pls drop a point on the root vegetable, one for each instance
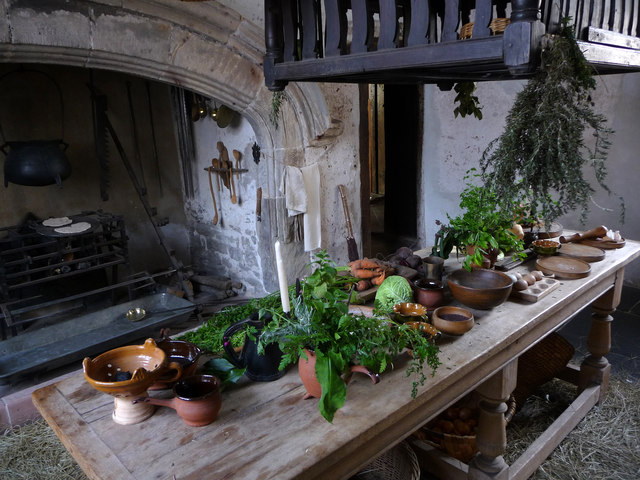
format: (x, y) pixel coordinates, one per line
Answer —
(363, 263)
(363, 285)
(413, 260)
(378, 280)
(404, 252)
(364, 273)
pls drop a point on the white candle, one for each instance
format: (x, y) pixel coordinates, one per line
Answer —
(282, 279)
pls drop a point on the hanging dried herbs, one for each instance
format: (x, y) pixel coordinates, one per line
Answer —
(541, 153)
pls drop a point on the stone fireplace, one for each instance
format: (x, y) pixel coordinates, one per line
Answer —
(139, 54)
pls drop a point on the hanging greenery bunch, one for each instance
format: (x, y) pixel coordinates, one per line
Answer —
(541, 153)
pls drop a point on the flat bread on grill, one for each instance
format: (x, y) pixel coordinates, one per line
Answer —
(78, 227)
(57, 222)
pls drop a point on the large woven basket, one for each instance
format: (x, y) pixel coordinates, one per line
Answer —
(461, 447)
(540, 364)
(497, 26)
(397, 463)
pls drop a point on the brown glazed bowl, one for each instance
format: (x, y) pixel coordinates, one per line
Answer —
(144, 362)
(452, 320)
(184, 353)
(403, 312)
(480, 288)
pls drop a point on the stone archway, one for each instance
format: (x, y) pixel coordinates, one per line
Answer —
(204, 47)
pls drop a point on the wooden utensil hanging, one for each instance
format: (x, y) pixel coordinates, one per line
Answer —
(213, 197)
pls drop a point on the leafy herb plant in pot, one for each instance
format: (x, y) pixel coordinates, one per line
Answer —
(483, 229)
(320, 325)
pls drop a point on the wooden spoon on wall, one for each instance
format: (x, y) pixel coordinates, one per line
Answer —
(213, 196)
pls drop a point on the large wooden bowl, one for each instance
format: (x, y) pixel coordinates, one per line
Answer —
(480, 288)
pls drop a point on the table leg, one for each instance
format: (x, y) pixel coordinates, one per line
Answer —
(595, 368)
(491, 437)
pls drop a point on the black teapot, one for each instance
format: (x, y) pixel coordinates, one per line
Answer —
(259, 368)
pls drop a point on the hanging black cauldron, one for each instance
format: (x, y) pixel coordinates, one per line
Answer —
(35, 163)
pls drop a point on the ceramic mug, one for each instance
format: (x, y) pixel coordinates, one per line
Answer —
(197, 399)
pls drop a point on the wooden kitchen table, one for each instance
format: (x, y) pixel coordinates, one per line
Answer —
(267, 431)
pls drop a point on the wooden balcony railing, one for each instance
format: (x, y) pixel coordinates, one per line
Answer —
(430, 41)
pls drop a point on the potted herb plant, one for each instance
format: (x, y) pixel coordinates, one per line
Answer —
(321, 322)
(484, 228)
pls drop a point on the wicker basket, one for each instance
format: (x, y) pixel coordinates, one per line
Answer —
(540, 364)
(461, 447)
(397, 463)
(497, 26)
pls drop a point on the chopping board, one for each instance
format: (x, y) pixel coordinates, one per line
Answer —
(563, 267)
(582, 252)
(604, 243)
(535, 292)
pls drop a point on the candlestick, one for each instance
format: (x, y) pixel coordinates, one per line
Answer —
(282, 279)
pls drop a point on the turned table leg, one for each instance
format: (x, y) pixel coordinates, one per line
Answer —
(595, 368)
(491, 437)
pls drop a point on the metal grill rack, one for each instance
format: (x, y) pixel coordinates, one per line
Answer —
(41, 268)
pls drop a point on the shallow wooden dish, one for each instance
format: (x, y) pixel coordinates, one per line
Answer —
(563, 267)
(582, 252)
(480, 288)
(452, 320)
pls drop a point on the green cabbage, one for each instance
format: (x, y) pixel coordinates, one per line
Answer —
(393, 290)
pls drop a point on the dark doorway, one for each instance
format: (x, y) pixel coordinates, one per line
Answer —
(393, 116)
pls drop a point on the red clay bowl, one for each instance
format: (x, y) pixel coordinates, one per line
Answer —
(480, 288)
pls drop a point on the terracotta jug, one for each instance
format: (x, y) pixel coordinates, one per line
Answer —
(197, 400)
(307, 371)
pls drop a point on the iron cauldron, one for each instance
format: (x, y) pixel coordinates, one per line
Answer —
(35, 163)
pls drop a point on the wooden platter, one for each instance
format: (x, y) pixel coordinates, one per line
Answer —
(604, 243)
(582, 252)
(563, 267)
(535, 292)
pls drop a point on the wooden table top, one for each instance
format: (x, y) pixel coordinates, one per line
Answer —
(266, 430)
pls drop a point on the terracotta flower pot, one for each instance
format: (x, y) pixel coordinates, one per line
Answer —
(307, 371)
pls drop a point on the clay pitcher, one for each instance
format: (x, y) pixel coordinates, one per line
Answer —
(259, 368)
(197, 400)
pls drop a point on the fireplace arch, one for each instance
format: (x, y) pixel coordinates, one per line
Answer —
(203, 47)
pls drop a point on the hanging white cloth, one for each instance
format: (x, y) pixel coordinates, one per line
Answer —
(294, 190)
(312, 217)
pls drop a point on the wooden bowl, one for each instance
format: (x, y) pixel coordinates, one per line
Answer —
(480, 288)
(452, 320)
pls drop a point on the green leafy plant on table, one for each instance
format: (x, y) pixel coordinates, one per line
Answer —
(320, 321)
(483, 228)
(542, 153)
